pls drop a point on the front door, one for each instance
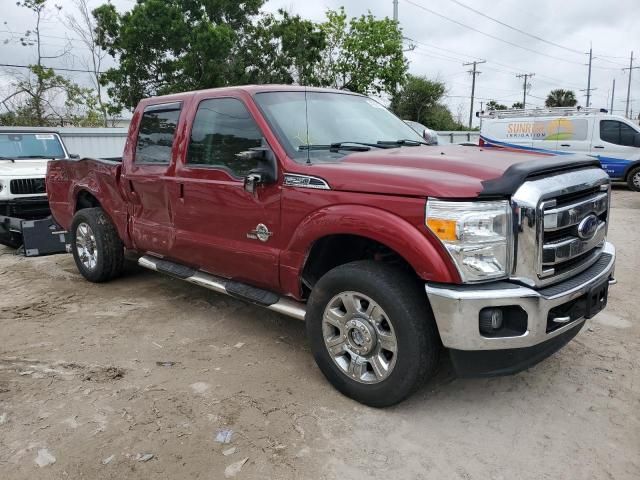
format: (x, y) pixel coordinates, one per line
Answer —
(219, 226)
(147, 183)
(615, 146)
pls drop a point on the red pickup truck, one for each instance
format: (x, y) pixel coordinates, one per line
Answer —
(324, 206)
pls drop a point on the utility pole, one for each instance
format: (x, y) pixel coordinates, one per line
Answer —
(525, 85)
(395, 10)
(474, 73)
(631, 67)
(613, 94)
(589, 78)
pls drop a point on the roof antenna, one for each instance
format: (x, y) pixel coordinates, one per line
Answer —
(306, 114)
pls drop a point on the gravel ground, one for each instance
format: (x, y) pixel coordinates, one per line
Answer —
(136, 379)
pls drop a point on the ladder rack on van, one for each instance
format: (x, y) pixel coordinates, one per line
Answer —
(541, 112)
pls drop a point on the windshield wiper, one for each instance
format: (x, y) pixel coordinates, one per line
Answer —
(13, 160)
(402, 142)
(350, 146)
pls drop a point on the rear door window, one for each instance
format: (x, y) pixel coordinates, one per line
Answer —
(157, 132)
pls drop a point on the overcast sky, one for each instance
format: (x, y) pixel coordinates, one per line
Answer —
(442, 46)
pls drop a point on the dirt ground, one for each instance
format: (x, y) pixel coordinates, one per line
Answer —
(88, 390)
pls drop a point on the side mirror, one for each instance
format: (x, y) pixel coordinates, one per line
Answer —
(265, 172)
(74, 156)
(430, 136)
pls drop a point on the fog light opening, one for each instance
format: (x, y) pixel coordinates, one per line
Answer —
(490, 320)
(505, 321)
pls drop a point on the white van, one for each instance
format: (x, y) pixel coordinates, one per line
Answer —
(614, 140)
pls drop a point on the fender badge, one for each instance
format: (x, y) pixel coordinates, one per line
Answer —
(261, 232)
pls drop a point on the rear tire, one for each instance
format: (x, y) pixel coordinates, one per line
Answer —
(372, 332)
(633, 179)
(96, 246)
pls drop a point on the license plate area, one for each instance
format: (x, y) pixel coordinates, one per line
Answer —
(597, 298)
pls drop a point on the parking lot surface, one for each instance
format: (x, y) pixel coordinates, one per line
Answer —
(144, 377)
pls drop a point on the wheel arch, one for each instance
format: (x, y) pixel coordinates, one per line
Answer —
(633, 164)
(328, 231)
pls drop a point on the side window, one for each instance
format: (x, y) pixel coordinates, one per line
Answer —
(616, 132)
(157, 130)
(223, 130)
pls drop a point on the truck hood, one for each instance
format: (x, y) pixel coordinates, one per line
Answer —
(21, 168)
(448, 171)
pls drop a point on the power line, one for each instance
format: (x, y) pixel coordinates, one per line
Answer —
(433, 12)
(488, 34)
(52, 68)
(511, 69)
(515, 28)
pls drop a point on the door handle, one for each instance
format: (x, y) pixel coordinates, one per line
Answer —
(598, 146)
(134, 195)
(565, 145)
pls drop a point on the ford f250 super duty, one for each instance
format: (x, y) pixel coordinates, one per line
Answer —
(324, 206)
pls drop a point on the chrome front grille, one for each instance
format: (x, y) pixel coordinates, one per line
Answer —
(560, 225)
(565, 246)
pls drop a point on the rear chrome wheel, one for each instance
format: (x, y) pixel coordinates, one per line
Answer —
(86, 246)
(359, 337)
(96, 246)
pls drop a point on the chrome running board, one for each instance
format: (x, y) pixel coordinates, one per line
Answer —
(263, 298)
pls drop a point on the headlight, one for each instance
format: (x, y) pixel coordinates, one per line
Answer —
(476, 234)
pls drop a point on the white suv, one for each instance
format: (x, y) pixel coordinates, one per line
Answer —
(24, 154)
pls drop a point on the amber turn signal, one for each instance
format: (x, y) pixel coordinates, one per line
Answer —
(444, 229)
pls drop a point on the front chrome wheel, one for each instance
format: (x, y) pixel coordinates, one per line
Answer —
(359, 337)
(86, 246)
(636, 180)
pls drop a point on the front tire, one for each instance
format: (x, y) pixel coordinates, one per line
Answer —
(372, 332)
(633, 179)
(96, 246)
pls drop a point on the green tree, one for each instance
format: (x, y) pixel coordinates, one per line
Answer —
(420, 99)
(561, 98)
(44, 98)
(519, 105)
(363, 54)
(281, 49)
(41, 97)
(493, 105)
(166, 46)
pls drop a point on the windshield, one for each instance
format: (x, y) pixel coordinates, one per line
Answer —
(20, 146)
(334, 118)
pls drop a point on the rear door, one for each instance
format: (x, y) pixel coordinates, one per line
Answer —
(148, 179)
(220, 227)
(614, 146)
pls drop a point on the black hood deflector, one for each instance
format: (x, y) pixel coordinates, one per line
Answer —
(518, 173)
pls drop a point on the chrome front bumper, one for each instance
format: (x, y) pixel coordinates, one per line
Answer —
(457, 308)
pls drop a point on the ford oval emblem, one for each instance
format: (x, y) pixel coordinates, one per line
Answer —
(588, 227)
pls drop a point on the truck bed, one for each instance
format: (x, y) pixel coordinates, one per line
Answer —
(73, 183)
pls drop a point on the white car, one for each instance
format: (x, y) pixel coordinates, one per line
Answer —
(612, 139)
(24, 154)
